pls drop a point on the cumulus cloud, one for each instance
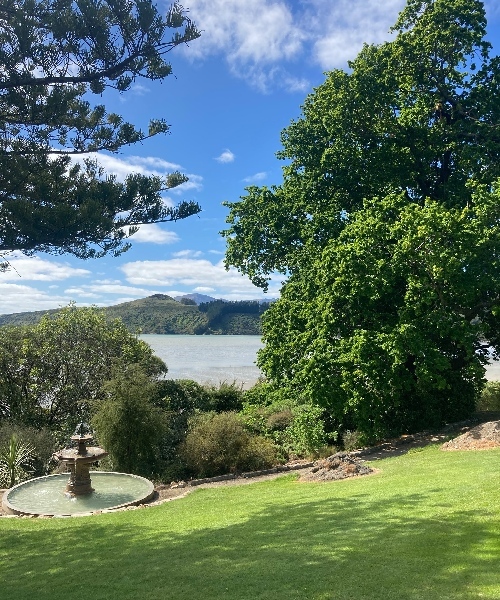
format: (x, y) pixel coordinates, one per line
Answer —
(139, 90)
(187, 254)
(226, 157)
(34, 268)
(195, 183)
(193, 273)
(15, 298)
(340, 28)
(257, 177)
(123, 166)
(254, 36)
(98, 289)
(152, 233)
(265, 41)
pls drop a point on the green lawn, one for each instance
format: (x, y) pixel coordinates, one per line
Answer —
(426, 527)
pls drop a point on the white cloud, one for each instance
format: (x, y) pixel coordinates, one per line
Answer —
(203, 290)
(144, 165)
(98, 289)
(187, 254)
(125, 165)
(257, 177)
(154, 234)
(255, 30)
(264, 40)
(253, 35)
(226, 157)
(139, 90)
(34, 268)
(15, 298)
(194, 183)
(193, 273)
(340, 28)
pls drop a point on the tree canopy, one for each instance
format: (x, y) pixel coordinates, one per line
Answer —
(52, 372)
(54, 55)
(386, 223)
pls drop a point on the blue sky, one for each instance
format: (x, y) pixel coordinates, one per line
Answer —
(233, 92)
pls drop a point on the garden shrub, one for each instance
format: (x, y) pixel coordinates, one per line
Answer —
(306, 433)
(16, 461)
(225, 397)
(128, 425)
(489, 399)
(42, 441)
(352, 440)
(297, 428)
(218, 443)
(181, 395)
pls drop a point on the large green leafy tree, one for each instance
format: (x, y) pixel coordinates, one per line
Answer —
(54, 54)
(52, 373)
(387, 228)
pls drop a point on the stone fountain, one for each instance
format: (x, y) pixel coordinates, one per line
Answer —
(48, 496)
(78, 460)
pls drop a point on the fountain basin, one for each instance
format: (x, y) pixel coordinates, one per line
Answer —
(45, 496)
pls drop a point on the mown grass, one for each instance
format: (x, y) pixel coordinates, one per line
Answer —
(426, 527)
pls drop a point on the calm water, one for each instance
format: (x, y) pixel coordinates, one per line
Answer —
(208, 358)
(217, 358)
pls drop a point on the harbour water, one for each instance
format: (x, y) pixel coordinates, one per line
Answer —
(208, 358)
(218, 358)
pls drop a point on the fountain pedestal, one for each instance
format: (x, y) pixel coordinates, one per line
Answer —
(78, 461)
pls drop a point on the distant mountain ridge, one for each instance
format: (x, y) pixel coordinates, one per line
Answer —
(163, 314)
(198, 298)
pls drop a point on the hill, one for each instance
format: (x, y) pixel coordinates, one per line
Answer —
(163, 315)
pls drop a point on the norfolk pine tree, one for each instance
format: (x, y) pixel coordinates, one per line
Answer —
(386, 224)
(54, 54)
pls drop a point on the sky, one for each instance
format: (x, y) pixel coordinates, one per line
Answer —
(233, 91)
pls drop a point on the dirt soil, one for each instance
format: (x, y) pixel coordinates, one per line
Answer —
(481, 437)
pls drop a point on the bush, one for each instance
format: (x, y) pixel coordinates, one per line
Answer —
(42, 441)
(128, 425)
(217, 443)
(296, 428)
(16, 458)
(490, 397)
(227, 397)
(352, 440)
(306, 434)
(180, 396)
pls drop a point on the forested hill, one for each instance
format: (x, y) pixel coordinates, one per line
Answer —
(162, 314)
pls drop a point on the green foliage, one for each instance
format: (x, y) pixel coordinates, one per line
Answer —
(218, 444)
(234, 318)
(180, 401)
(225, 397)
(159, 314)
(489, 400)
(390, 340)
(297, 429)
(55, 55)
(387, 225)
(42, 441)
(128, 425)
(51, 372)
(306, 433)
(352, 440)
(15, 461)
(162, 314)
